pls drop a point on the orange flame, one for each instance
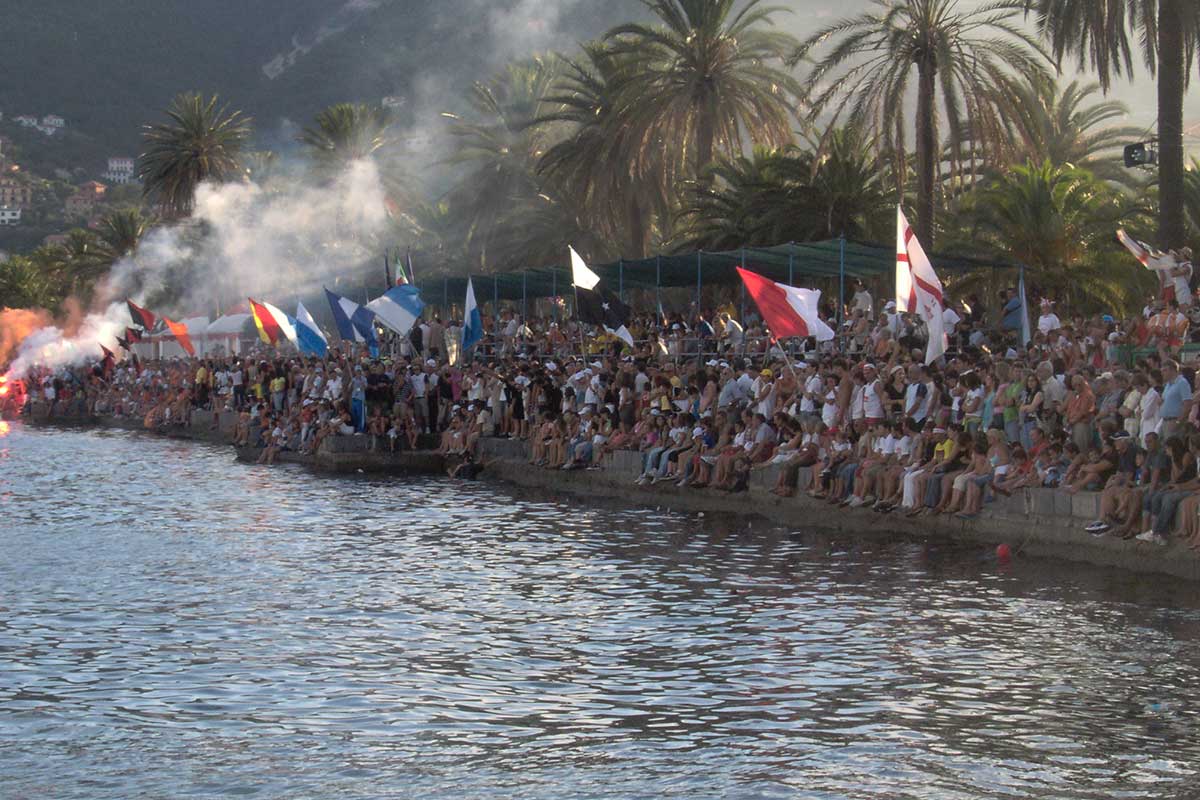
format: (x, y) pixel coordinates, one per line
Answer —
(15, 325)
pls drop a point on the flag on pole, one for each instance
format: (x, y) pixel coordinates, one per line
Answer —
(272, 323)
(1149, 257)
(133, 335)
(180, 332)
(919, 291)
(1026, 330)
(401, 278)
(309, 338)
(398, 308)
(141, 316)
(354, 322)
(472, 329)
(788, 311)
(411, 272)
(108, 362)
(596, 304)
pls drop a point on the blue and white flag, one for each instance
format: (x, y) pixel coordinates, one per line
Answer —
(398, 308)
(309, 338)
(472, 329)
(354, 322)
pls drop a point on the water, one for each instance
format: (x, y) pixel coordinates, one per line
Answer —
(175, 624)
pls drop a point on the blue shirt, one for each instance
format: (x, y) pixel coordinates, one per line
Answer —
(1175, 394)
(1012, 315)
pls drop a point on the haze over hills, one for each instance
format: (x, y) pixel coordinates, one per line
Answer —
(109, 68)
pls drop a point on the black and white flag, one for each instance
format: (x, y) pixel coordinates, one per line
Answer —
(596, 303)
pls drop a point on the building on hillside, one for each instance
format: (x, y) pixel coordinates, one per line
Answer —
(15, 193)
(120, 171)
(55, 239)
(26, 121)
(85, 199)
(53, 121)
(10, 216)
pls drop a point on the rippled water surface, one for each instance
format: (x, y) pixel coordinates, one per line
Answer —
(175, 624)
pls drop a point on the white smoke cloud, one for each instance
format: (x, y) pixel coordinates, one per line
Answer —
(273, 241)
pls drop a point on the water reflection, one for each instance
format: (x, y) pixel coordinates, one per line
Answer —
(172, 622)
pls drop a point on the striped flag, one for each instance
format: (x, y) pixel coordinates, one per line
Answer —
(272, 323)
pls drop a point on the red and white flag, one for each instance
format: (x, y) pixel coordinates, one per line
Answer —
(918, 290)
(788, 311)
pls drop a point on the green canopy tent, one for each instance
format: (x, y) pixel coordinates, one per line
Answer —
(786, 263)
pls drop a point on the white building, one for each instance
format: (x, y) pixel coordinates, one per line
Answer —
(10, 216)
(120, 171)
(53, 121)
(26, 121)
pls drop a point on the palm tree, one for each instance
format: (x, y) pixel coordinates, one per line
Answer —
(200, 142)
(120, 232)
(1168, 32)
(26, 283)
(1058, 220)
(961, 60)
(346, 132)
(617, 176)
(747, 201)
(835, 189)
(259, 166)
(1060, 124)
(500, 148)
(1191, 198)
(848, 186)
(707, 77)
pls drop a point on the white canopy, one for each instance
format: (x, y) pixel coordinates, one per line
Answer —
(228, 325)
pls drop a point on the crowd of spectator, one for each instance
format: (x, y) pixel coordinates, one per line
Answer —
(707, 399)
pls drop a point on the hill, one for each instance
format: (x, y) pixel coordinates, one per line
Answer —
(109, 68)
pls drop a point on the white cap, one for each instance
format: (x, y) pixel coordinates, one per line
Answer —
(697, 432)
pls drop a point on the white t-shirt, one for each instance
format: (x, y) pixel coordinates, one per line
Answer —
(1183, 288)
(1048, 322)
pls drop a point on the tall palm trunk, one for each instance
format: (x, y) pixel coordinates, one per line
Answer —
(704, 138)
(1170, 123)
(637, 228)
(926, 151)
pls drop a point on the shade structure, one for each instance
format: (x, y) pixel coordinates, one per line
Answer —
(794, 262)
(230, 324)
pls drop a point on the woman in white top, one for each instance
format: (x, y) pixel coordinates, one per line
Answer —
(1150, 411)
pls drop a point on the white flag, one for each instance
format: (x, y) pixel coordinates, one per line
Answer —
(924, 290)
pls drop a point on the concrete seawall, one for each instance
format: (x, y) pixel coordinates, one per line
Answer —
(1040, 522)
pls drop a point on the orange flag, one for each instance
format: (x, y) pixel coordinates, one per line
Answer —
(180, 332)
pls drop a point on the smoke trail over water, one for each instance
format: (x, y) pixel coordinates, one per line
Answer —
(275, 240)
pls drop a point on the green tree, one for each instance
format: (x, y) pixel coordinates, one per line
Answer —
(706, 78)
(200, 141)
(499, 146)
(834, 189)
(1058, 221)
(617, 175)
(960, 60)
(345, 132)
(1060, 124)
(1168, 34)
(26, 283)
(1191, 199)
(120, 232)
